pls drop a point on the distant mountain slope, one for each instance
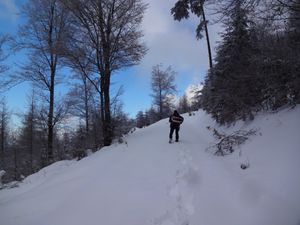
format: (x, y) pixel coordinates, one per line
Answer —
(147, 181)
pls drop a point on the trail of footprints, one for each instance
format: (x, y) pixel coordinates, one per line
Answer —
(182, 191)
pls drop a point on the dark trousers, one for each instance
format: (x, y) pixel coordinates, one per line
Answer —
(176, 132)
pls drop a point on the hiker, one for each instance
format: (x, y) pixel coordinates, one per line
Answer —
(175, 121)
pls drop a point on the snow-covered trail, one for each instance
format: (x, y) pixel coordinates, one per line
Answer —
(132, 183)
(148, 181)
(198, 174)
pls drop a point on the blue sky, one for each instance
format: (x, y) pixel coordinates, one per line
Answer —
(170, 43)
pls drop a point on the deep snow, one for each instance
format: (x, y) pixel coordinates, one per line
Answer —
(147, 181)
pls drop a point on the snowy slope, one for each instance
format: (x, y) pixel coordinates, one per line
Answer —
(147, 181)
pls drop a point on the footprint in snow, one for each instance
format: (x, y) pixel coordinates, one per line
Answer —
(187, 182)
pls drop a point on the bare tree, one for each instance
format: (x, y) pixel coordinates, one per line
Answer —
(4, 118)
(120, 121)
(278, 9)
(79, 59)
(79, 100)
(162, 84)
(44, 35)
(4, 39)
(112, 29)
(140, 119)
(184, 105)
(30, 126)
(30, 140)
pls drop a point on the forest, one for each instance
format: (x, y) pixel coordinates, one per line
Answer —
(256, 68)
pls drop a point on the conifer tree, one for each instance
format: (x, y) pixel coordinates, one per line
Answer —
(229, 91)
(294, 50)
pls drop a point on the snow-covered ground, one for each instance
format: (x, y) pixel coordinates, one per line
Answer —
(147, 181)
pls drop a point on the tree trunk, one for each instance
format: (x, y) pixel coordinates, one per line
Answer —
(207, 39)
(102, 114)
(31, 140)
(16, 177)
(160, 102)
(107, 129)
(51, 90)
(50, 120)
(2, 134)
(2, 140)
(87, 128)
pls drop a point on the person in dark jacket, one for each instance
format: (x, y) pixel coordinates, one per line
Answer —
(175, 121)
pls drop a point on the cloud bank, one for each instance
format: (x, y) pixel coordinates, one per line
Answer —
(174, 43)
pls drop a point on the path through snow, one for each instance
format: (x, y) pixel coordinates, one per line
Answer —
(149, 181)
(186, 183)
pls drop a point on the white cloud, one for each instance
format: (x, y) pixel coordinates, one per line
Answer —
(174, 43)
(8, 10)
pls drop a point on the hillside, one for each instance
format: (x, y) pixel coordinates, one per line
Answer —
(147, 181)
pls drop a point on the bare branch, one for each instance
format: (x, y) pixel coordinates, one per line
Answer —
(228, 142)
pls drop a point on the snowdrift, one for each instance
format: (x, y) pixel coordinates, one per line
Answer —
(147, 181)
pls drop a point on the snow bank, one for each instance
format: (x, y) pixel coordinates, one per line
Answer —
(148, 181)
